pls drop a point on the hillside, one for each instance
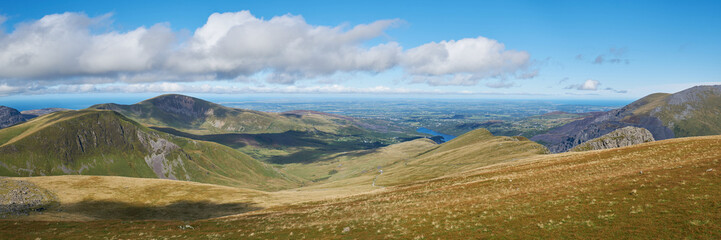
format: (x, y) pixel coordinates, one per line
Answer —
(477, 148)
(99, 142)
(623, 137)
(10, 116)
(289, 137)
(198, 116)
(691, 112)
(664, 189)
(110, 197)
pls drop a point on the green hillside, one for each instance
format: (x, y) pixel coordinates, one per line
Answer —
(289, 137)
(693, 112)
(658, 190)
(472, 150)
(198, 116)
(100, 142)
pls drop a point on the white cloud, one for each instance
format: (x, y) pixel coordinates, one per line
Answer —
(473, 59)
(61, 50)
(61, 45)
(589, 85)
(5, 89)
(232, 44)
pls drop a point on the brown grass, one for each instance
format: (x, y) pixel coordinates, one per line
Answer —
(666, 189)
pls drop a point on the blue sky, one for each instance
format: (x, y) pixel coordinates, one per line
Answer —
(465, 49)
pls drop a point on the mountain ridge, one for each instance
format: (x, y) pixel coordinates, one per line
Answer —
(690, 112)
(102, 142)
(10, 116)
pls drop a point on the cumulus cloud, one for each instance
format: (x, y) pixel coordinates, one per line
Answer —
(68, 49)
(590, 85)
(232, 44)
(463, 62)
(62, 45)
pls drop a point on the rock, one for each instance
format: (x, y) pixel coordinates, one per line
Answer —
(22, 198)
(691, 112)
(10, 116)
(346, 229)
(626, 136)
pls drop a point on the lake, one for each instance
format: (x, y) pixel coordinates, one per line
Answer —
(446, 137)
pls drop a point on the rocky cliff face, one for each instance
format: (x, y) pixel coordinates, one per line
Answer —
(692, 112)
(626, 136)
(565, 137)
(10, 116)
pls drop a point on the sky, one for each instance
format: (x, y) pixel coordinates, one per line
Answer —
(461, 49)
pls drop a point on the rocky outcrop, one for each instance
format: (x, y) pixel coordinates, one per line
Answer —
(691, 112)
(565, 137)
(623, 137)
(22, 198)
(10, 116)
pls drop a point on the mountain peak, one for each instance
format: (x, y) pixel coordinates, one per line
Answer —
(694, 94)
(181, 104)
(10, 116)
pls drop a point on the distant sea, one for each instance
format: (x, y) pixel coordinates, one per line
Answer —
(28, 102)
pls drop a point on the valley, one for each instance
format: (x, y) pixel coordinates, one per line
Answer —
(217, 119)
(167, 168)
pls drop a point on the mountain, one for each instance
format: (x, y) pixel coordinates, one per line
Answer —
(692, 112)
(664, 189)
(295, 136)
(10, 116)
(101, 142)
(623, 137)
(477, 148)
(198, 116)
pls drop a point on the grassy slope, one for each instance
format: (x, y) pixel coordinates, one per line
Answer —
(109, 197)
(95, 142)
(355, 163)
(293, 137)
(694, 119)
(664, 189)
(474, 149)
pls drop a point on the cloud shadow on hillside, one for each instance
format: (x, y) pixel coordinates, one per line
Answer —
(179, 211)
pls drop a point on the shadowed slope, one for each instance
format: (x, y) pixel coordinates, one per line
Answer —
(692, 112)
(290, 137)
(96, 142)
(665, 189)
(106, 197)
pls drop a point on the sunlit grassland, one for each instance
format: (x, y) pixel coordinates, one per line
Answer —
(664, 189)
